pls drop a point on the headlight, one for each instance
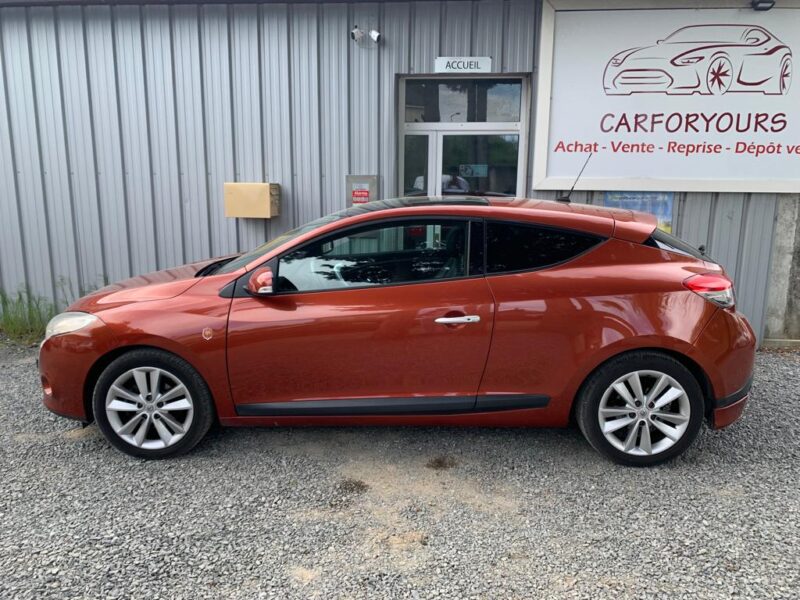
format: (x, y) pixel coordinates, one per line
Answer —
(68, 322)
(687, 60)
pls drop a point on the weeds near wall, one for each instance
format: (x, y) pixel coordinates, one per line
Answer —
(23, 317)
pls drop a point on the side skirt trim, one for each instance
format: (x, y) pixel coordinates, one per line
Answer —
(442, 405)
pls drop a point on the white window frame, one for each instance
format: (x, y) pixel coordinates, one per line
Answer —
(436, 131)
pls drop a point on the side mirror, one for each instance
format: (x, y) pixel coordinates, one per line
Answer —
(260, 283)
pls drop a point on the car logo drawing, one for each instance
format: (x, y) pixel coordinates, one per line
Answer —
(703, 59)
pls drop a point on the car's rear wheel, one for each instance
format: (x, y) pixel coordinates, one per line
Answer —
(152, 404)
(641, 408)
(785, 75)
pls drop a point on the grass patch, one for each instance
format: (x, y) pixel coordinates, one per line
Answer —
(23, 317)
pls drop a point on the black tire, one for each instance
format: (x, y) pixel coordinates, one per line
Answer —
(203, 417)
(591, 393)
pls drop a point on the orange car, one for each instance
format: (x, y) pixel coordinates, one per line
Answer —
(454, 311)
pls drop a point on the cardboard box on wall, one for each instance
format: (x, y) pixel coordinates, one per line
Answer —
(252, 200)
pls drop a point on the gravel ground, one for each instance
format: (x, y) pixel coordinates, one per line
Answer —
(419, 513)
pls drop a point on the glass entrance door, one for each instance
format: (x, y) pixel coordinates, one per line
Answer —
(463, 137)
(479, 165)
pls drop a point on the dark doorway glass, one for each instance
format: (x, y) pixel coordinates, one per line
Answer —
(463, 100)
(480, 165)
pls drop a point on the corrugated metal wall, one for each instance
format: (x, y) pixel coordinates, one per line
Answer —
(118, 126)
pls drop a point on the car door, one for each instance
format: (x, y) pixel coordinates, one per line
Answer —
(386, 318)
(545, 314)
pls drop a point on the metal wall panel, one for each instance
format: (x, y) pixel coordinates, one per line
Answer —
(425, 35)
(217, 116)
(104, 113)
(25, 143)
(489, 32)
(160, 90)
(277, 113)
(754, 258)
(80, 148)
(12, 256)
(52, 146)
(457, 20)
(135, 131)
(246, 97)
(306, 204)
(118, 127)
(364, 104)
(187, 74)
(334, 95)
(395, 57)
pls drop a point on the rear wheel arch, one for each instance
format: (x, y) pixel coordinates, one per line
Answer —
(691, 365)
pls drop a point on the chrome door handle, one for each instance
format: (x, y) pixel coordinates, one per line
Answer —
(457, 320)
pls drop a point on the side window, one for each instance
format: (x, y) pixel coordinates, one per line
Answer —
(514, 247)
(404, 252)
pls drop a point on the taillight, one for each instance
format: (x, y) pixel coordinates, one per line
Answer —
(715, 288)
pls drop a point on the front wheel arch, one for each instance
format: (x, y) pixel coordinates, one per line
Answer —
(100, 365)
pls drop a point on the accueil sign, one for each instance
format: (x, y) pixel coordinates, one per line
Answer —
(463, 64)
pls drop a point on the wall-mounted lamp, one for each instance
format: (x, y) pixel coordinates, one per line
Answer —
(762, 4)
(357, 34)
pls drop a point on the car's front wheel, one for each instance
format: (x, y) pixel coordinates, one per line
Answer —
(719, 76)
(152, 404)
(641, 408)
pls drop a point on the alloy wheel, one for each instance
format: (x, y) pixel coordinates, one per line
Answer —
(149, 408)
(644, 413)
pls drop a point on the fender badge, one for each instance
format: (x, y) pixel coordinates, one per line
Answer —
(208, 333)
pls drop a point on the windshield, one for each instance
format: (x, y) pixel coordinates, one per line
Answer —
(248, 257)
(708, 34)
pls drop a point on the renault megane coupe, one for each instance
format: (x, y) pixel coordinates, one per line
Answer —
(417, 311)
(704, 59)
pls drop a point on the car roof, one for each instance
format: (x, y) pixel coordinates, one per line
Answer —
(608, 222)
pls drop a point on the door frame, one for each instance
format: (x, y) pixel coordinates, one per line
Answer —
(435, 131)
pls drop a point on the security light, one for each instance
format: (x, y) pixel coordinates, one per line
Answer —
(356, 34)
(375, 35)
(762, 4)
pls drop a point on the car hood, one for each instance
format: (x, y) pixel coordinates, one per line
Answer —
(666, 51)
(159, 285)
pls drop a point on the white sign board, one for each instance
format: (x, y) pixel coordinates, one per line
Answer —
(672, 100)
(463, 64)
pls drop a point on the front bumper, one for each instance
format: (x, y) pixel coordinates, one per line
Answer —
(727, 410)
(65, 364)
(649, 77)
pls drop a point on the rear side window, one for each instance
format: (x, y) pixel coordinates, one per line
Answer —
(515, 247)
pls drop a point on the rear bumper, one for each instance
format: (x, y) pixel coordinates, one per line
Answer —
(727, 410)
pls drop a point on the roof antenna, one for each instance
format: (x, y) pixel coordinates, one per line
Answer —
(569, 193)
